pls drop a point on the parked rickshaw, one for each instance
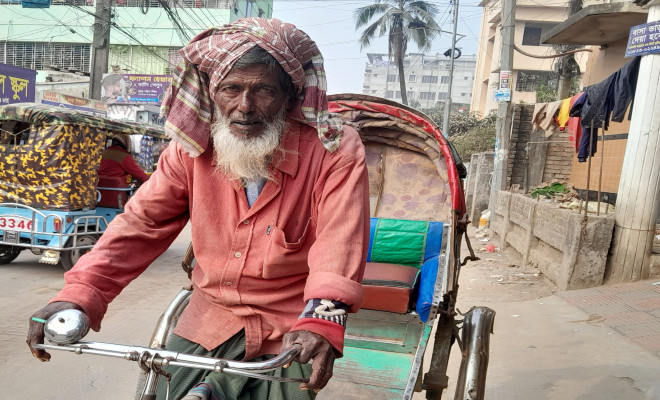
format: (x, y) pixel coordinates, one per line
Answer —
(49, 157)
(411, 281)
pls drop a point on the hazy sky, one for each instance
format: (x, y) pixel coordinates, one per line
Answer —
(330, 24)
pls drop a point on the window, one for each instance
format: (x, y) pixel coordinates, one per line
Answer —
(391, 78)
(373, 91)
(442, 96)
(533, 32)
(532, 36)
(427, 95)
(429, 79)
(42, 55)
(398, 94)
(216, 4)
(444, 79)
(531, 81)
(412, 78)
(465, 78)
(463, 94)
(389, 94)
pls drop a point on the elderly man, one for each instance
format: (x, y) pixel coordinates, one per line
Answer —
(277, 197)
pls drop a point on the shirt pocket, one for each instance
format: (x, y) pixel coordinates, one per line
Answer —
(285, 258)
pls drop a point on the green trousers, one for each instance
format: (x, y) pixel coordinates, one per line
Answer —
(228, 386)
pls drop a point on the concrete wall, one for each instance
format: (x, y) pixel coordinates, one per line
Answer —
(566, 248)
(477, 192)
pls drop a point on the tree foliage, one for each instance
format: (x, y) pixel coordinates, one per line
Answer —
(471, 134)
(401, 21)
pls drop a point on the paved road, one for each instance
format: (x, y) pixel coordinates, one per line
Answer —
(27, 285)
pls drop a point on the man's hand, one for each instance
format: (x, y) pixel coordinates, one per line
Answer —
(313, 347)
(36, 330)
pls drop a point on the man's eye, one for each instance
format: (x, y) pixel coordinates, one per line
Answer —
(231, 89)
(268, 91)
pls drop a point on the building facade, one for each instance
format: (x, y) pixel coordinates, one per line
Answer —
(532, 20)
(143, 37)
(427, 79)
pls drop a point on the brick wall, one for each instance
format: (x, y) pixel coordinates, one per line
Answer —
(559, 158)
(520, 135)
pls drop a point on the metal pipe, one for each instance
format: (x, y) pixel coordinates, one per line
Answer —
(167, 357)
(477, 327)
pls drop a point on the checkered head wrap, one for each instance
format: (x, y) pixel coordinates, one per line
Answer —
(209, 57)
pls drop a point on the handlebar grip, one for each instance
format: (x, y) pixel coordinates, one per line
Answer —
(66, 326)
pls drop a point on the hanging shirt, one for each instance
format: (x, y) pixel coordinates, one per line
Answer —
(574, 126)
(624, 89)
(306, 237)
(562, 115)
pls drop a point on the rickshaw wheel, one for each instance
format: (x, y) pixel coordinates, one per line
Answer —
(69, 258)
(9, 253)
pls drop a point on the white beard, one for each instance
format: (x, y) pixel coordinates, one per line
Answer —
(246, 158)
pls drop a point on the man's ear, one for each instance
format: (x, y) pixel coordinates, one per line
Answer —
(291, 101)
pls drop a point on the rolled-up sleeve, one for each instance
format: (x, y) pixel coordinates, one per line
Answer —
(337, 257)
(153, 218)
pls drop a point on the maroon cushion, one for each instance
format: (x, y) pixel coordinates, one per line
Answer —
(388, 286)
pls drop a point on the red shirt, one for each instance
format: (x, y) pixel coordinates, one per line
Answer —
(306, 237)
(118, 162)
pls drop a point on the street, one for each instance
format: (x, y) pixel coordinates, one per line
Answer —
(542, 347)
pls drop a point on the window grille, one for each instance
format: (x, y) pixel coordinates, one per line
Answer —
(427, 95)
(429, 79)
(69, 56)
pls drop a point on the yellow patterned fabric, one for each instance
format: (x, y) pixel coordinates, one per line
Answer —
(49, 156)
(55, 168)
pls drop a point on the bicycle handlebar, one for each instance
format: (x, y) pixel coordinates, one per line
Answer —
(149, 358)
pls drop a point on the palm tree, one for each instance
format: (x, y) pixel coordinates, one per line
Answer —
(401, 21)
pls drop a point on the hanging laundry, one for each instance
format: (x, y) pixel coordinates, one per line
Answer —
(562, 115)
(599, 102)
(586, 142)
(573, 126)
(624, 89)
(544, 117)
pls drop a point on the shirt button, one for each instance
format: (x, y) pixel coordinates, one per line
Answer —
(228, 283)
(237, 254)
(247, 221)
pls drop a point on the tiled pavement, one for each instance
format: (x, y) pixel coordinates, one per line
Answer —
(631, 309)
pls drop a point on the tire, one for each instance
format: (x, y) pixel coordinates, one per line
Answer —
(69, 258)
(9, 253)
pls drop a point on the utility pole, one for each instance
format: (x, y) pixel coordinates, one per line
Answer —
(447, 111)
(100, 47)
(503, 126)
(639, 186)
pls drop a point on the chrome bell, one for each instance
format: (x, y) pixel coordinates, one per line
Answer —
(66, 326)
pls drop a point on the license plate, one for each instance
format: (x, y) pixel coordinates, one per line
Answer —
(15, 223)
(11, 237)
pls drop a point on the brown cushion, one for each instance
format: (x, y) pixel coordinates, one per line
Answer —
(388, 286)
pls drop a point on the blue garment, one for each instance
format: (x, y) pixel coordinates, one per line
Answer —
(583, 150)
(624, 89)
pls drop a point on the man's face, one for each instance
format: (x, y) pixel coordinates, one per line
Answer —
(250, 98)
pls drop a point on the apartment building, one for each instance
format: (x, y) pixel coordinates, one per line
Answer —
(427, 79)
(143, 39)
(532, 20)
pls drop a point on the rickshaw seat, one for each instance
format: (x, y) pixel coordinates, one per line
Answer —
(112, 198)
(397, 251)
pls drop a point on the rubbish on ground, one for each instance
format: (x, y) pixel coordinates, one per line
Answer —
(490, 248)
(484, 219)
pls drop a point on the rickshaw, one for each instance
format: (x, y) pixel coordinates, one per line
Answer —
(49, 199)
(411, 279)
